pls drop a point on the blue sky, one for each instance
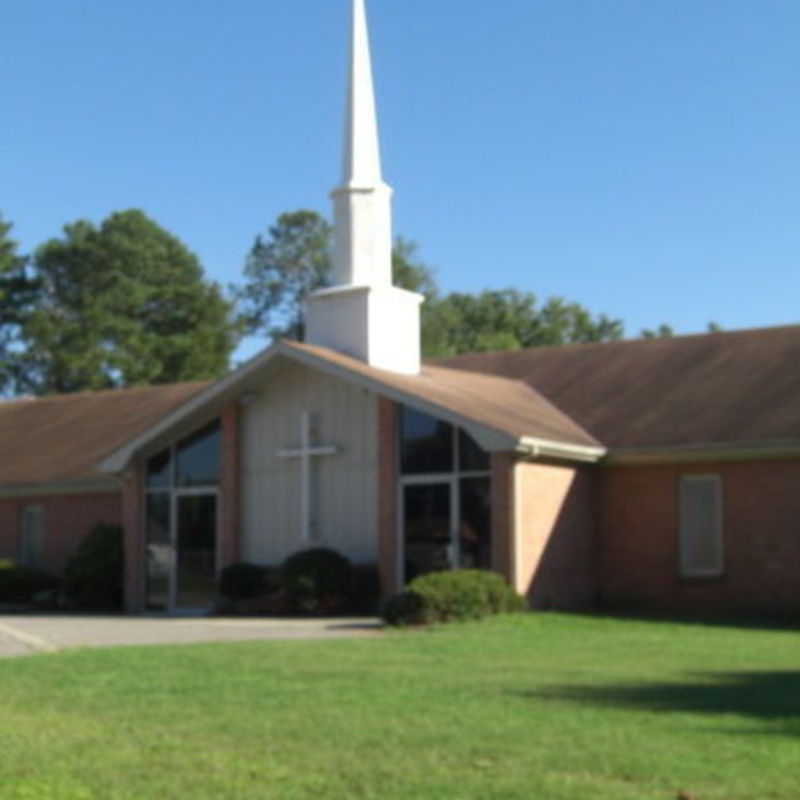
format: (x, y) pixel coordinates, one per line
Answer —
(638, 157)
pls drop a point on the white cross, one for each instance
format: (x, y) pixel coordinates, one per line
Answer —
(305, 452)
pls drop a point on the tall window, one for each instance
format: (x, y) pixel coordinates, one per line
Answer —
(180, 520)
(445, 490)
(31, 540)
(701, 551)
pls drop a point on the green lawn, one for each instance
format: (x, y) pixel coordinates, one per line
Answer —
(534, 706)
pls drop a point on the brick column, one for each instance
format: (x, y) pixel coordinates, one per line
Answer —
(503, 516)
(387, 496)
(133, 538)
(229, 544)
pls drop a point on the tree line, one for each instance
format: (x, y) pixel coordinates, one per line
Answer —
(125, 303)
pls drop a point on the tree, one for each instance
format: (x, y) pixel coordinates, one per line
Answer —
(123, 304)
(293, 260)
(665, 331)
(508, 320)
(16, 294)
(282, 270)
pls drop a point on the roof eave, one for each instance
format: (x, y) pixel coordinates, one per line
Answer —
(491, 439)
(705, 452)
(99, 485)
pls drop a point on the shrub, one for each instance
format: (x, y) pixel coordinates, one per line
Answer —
(243, 581)
(455, 595)
(19, 584)
(93, 578)
(365, 590)
(317, 581)
(404, 608)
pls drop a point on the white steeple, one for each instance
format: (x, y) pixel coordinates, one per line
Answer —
(362, 202)
(363, 315)
(361, 159)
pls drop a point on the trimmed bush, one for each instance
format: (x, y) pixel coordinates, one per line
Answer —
(404, 608)
(243, 581)
(317, 581)
(365, 591)
(454, 595)
(93, 578)
(20, 584)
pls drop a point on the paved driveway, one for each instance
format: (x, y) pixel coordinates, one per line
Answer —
(22, 635)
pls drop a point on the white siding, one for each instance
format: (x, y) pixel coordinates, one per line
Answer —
(344, 485)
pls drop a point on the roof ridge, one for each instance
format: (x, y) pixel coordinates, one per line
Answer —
(445, 361)
(67, 396)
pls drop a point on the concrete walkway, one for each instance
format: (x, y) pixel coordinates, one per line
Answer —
(25, 634)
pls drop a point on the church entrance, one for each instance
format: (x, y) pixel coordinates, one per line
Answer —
(445, 520)
(182, 520)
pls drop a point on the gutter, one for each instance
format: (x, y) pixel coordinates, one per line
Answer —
(535, 447)
(706, 452)
(97, 485)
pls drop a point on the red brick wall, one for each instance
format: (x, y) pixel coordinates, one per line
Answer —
(68, 518)
(555, 538)
(503, 516)
(761, 539)
(133, 522)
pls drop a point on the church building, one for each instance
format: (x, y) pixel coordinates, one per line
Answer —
(641, 475)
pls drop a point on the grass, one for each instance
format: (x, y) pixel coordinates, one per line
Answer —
(535, 706)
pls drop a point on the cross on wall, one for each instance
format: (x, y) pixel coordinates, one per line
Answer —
(305, 453)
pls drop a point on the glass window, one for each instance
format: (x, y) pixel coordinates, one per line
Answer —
(158, 470)
(471, 457)
(197, 458)
(426, 443)
(427, 529)
(31, 547)
(476, 523)
(159, 548)
(701, 526)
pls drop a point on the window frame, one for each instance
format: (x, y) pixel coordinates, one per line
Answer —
(451, 478)
(173, 491)
(31, 554)
(686, 570)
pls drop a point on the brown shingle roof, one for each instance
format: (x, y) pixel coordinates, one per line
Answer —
(722, 388)
(499, 403)
(727, 388)
(61, 438)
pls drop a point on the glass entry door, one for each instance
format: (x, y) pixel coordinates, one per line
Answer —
(196, 553)
(181, 551)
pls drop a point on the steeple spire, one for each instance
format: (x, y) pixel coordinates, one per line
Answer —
(362, 314)
(361, 160)
(362, 202)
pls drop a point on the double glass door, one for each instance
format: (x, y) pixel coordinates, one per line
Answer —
(446, 525)
(181, 551)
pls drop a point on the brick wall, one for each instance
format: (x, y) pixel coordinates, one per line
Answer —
(761, 539)
(67, 519)
(555, 541)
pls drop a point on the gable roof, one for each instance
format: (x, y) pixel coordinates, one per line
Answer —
(59, 439)
(498, 403)
(738, 388)
(500, 413)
